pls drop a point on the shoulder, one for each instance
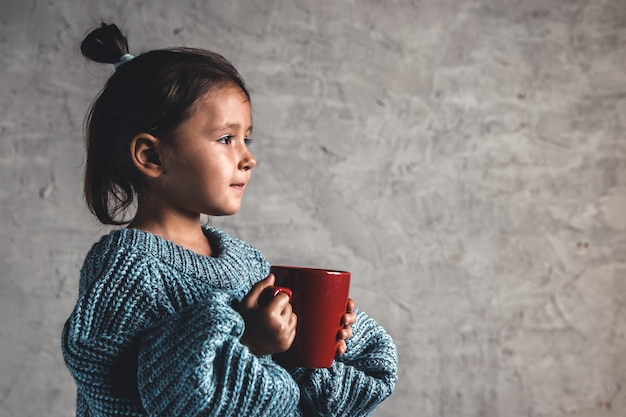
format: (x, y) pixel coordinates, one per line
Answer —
(116, 241)
(118, 244)
(117, 286)
(119, 253)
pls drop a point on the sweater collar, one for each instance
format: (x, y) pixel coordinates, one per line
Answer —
(235, 266)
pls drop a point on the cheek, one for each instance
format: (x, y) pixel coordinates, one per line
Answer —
(211, 172)
(203, 166)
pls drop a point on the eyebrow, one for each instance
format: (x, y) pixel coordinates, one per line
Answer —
(232, 126)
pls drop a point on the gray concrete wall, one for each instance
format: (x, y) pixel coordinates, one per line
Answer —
(464, 159)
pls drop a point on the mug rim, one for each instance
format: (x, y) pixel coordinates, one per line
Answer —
(312, 269)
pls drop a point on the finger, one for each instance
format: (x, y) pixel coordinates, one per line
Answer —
(291, 336)
(293, 321)
(341, 347)
(348, 319)
(345, 333)
(270, 293)
(290, 331)
(252, 298)
(281, 302)
(292, 326)
(351, 305)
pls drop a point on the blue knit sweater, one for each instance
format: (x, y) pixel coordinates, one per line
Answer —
(155, 333)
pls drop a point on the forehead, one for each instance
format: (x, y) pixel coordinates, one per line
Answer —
(225, 105)
(223, 95)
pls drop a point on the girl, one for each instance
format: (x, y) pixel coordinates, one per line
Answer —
(168, 320)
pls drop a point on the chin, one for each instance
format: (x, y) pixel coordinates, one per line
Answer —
(220, 213)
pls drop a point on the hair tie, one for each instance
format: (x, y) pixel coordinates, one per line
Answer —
(123, 59)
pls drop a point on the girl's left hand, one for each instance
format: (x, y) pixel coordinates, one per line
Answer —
(347, 320)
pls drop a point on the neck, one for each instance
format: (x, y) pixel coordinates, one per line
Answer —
(185, 231)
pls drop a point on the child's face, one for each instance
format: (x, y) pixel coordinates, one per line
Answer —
(208, 164)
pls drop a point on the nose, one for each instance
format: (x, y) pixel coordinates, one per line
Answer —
(248, 161)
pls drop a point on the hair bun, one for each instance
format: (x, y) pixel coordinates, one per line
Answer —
(105, 44)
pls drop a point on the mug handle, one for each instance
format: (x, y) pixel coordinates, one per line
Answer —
(272, 291)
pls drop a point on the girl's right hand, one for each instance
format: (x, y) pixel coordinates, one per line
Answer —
(270, 327)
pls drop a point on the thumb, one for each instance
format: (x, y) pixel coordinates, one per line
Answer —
(252, 298)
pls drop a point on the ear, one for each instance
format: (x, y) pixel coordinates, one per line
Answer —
(145, 154)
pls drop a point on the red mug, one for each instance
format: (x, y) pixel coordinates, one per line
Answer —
(319, 298)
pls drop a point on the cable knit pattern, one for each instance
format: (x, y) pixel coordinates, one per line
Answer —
(155, 332)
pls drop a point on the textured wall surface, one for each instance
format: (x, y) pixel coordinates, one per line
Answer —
(464, 159)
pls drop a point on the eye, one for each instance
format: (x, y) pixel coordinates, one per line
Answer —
(248, 141)
(226, 140)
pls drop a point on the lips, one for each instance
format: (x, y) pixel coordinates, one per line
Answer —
(239, 186)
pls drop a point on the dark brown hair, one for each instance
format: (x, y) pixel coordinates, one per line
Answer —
(152, 93)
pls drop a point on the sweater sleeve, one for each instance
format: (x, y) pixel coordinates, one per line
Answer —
(192, 364)
(358, 381)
